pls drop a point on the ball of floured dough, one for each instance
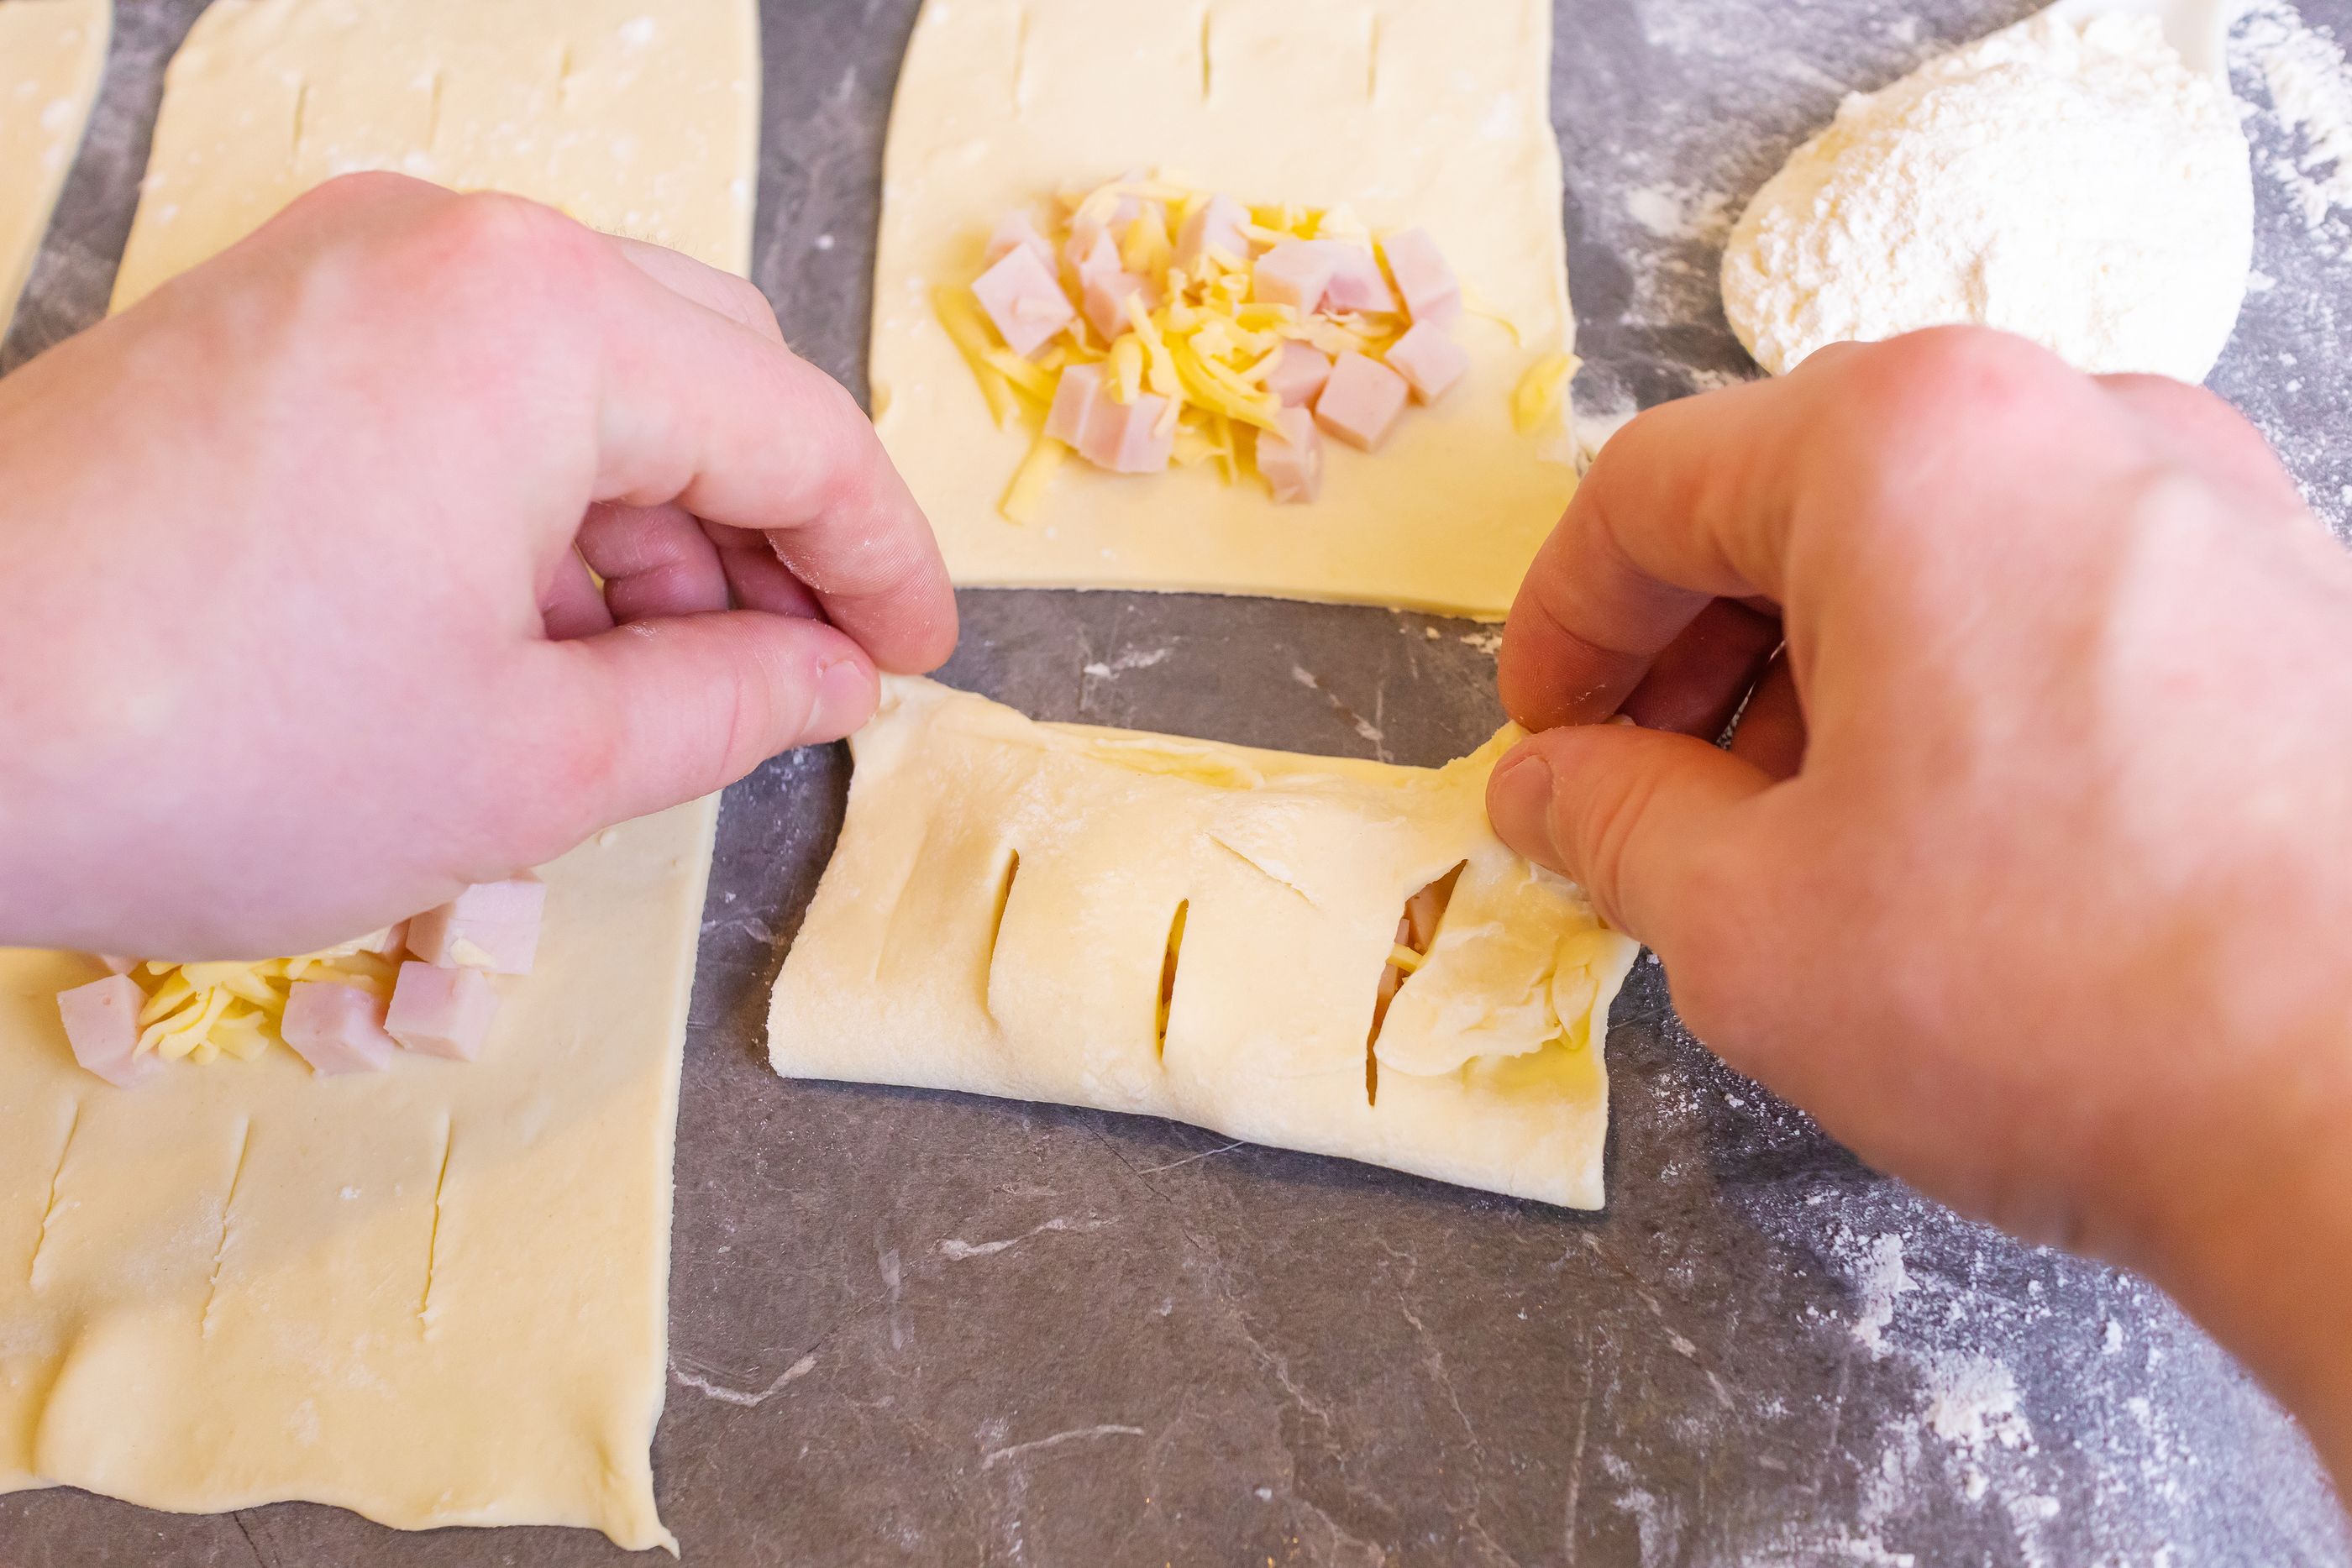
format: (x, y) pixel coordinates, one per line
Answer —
(2072, 182)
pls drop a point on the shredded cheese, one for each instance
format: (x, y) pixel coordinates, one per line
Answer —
(1027, 492)
(1207, 348)
(960, 314)
(200, 1012)
(1535, 402)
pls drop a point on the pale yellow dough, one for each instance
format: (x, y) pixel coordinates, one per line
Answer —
(915, 967)
(637, 118)
(1427, 112)
(437, 1295)
(52, 55)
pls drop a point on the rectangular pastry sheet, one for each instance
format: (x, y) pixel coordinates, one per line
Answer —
(1002, 916)
(436, 1295)
(1426, 113)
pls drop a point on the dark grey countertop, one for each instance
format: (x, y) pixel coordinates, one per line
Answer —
(919, 1328)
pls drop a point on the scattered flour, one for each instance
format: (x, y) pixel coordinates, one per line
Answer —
(1133, 659)
(1681, 212)
(1972, 1405)
(1881, 1279)
(2310, 86)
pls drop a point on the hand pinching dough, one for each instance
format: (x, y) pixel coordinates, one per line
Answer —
(52, 55)
(1316, 953)
(1405, 114)
(435, 1295)
(2070, 180)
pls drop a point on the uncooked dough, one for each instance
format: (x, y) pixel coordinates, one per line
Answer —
(2070, 180)
(636, 119)
(1408, 111)
(1002, 916)
(52, 55)
(436, 1295)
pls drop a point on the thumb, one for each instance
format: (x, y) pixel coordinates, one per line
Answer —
(1631, 815)
(664, 711)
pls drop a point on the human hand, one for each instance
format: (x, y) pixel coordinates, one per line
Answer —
(296, 634)
(2029, 867)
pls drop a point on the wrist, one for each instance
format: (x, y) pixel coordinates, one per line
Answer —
(2246, 1221)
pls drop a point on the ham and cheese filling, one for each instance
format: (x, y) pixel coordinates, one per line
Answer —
(1148, 324)
(422, 986)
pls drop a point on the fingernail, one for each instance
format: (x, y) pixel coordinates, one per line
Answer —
(1518, 802)
(844, 700)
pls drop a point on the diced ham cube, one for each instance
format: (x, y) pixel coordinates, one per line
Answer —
(115, 963)
(1096, 258)
(1075, 397)
(1356, 281)
(441, 1011)
(1360, 401)
(1299, 373)
(1088, 229)
(336, 1029)
(492, 926)
(1085, 247)
(1125, 438)
(1429, 360)
(1107, 296)
(1294, 273)
(1018, 231)
(1431, 293)
(1293, 461)
(1215, 225)
(1024, 300)
(101, 1021)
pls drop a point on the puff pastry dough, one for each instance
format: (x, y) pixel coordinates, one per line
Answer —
(52, 56)
(436, 1295)
(1002, 914)
(1409, 111)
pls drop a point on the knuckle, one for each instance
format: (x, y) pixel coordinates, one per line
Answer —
(356, 188)
(1927, 407)
(500, 249)
(748, 304)
(1935, 382)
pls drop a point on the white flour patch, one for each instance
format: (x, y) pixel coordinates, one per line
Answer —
(2310, 88)
(1658, 1521)
(1673, 211)
(1132, 659)
(1972, 1405)
(1881, 1279)
(956, 1250)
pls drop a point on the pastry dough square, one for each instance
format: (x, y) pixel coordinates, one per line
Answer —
(52, 56)
(635, 118)
(1000, 916)
(436, 1295)
(1427, 112)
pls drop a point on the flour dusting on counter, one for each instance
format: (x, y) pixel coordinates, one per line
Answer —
(1667, 134)
(2310, 88)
